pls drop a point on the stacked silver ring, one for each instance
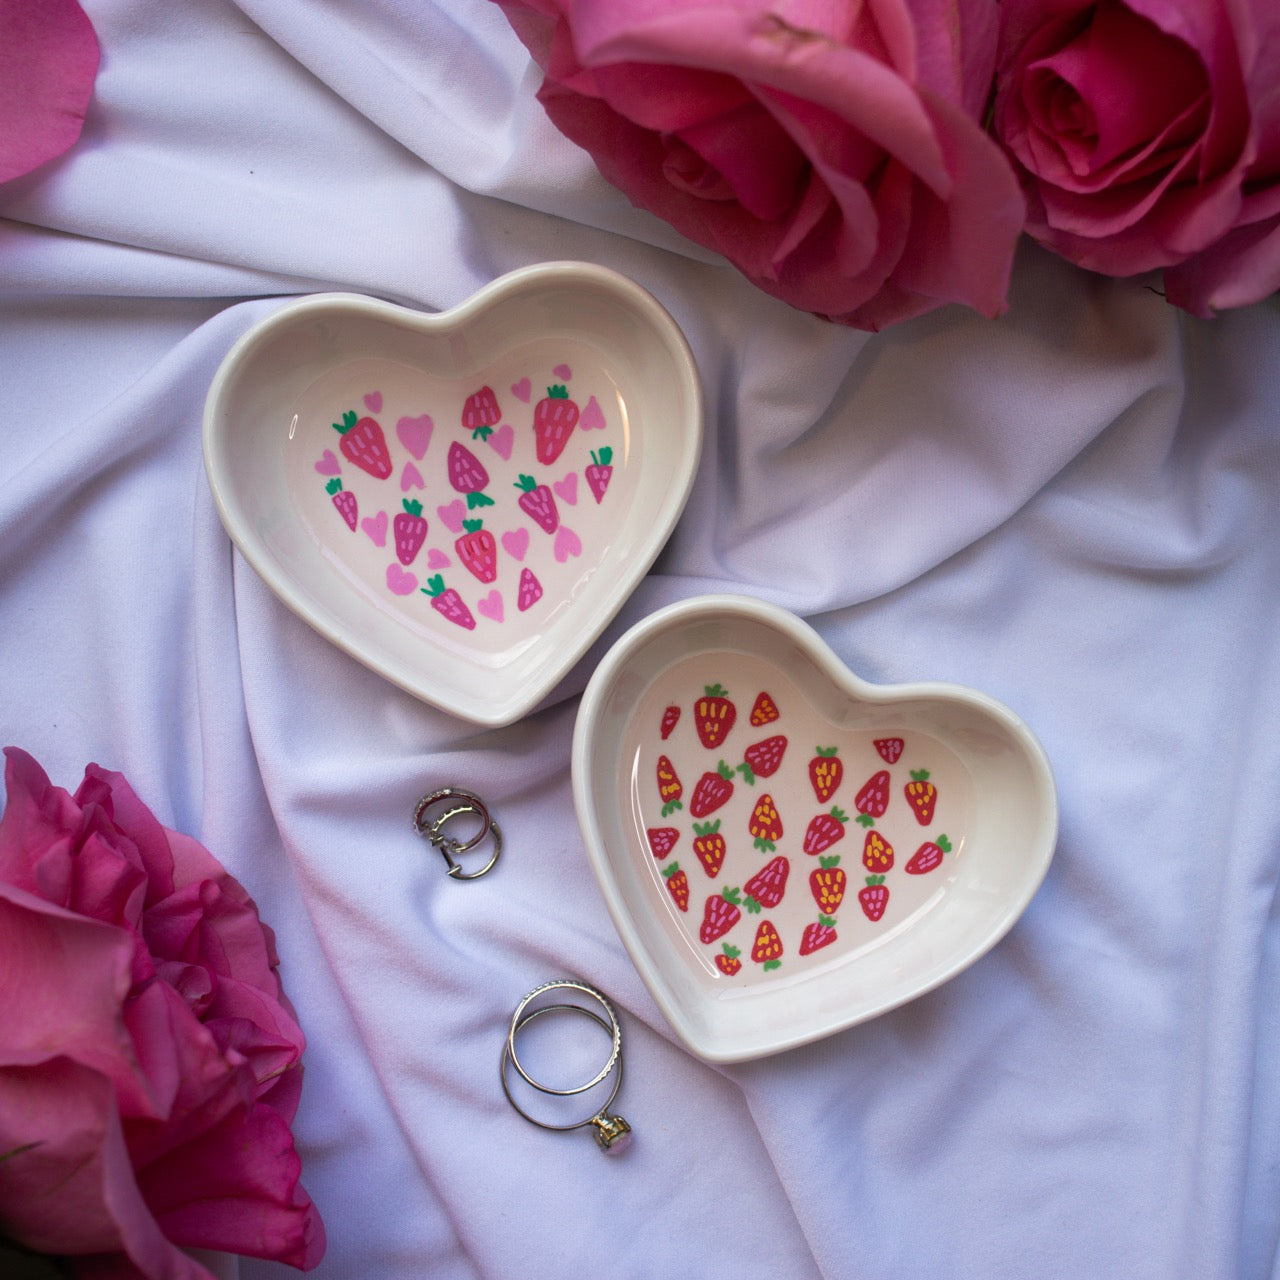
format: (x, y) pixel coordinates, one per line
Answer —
(612, 1133)
(429, 822)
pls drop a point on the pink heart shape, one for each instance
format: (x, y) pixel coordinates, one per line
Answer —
(567, 544)
(376, 528)
(592, 416)
(436, 559)
(491, 606)
(567, 488)
(328, 464)
(516, 542)
(410, 478)
(415, 433)
(373, 401)
(522, 390)
(399, 581)
(563, 372)
(453, 515)
(502, 440)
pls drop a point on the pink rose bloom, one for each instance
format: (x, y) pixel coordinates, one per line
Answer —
(829, 151)
(149, 1060)
(1147, 134)
(48, 61)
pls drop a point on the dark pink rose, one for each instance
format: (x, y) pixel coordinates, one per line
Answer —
(830, 152)
(1146, 134)
(149, 1059)
(48, 61)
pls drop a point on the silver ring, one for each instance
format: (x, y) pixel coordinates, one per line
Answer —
(517, 1021)
(434, 830)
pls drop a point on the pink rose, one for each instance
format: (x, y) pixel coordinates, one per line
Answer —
(149, 1059)
(830, 152)
(1145, 132)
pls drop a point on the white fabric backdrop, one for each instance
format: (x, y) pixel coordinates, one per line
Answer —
(1073, 508)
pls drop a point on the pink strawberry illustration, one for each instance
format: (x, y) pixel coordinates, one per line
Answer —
(921, 795)
(530, 590)
(448, 603)
(480, 413)
(364, 445)
(928, 856)
(669, 788)
(824, 830)
(537, 501)
(677, 885)
(766, 887)
(344, 500)
(670, 718)
(711, 791)
(890, 749)
(662, 840)
(767, 947)
(827, 884)
(478, 550)
(410, 531)
(764, 710)
(554, 418)
(710, 847)
(873, 799)
(874, 898)
(826, 769)
(599, 472)
(727, 961)
(818, 935)
(877, 853)
(761, 759)
(715, 716)
(719, 914)
(468, 476)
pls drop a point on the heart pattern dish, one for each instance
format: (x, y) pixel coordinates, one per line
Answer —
(462, 501)
(785, 849)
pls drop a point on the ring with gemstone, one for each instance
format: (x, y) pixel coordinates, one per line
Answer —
(431, 824)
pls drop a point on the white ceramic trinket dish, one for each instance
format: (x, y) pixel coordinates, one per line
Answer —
(462, 501)
(785, 849)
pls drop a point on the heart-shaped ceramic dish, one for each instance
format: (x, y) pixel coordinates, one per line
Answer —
(785, 849)
(463, 500)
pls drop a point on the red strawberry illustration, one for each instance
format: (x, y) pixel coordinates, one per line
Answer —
(715, 715)
(410, 531)
(344, 500)
(761, 759)
(764, 711)
(890, 749)
(765, 824)
(468, 476)
(364, 445)
(719, 914)
(874, 898)
(766, 887)
(554, 418)
(873, 799)
(827, 884)
(713, 789)
(670, 718)
(824, 830)
(599, 472)
(677, 885)
(539, 503)
(921, 795)
(825, 771)
(928, 856)
(877, 853)
(662, 840)
(480, 413)
(818, 935)
(529, 591)
(448, 603)
(768, 946)
(727, 961)
(709, 845)
(669, 788)
(478, 551)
